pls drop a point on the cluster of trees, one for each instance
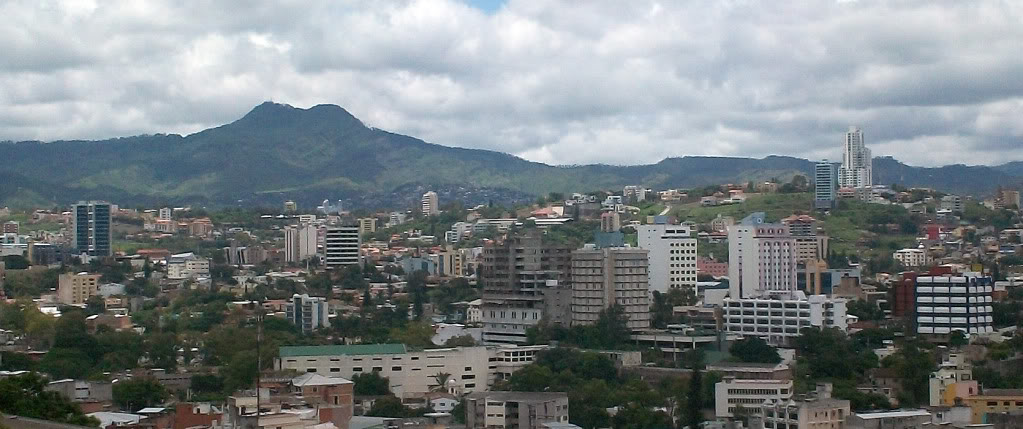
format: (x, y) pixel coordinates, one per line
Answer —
(662, 308)
(24, 395)
(610, 332)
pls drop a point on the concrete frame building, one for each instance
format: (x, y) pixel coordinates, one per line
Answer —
(778, 320)
(308, 313)
(75, 289)
(430, 204)
(300, 242)
(610, 276)
(90, 222)
(761, 258)
(954, 303)
(672, 256)
(731, 393)
(857, 163)
(342, 246)
(825, 185)
(515, 410)
(912, 257)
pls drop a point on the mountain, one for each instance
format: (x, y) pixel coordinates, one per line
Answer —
(278, 152)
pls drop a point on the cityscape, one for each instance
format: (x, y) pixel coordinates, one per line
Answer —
(580, 249)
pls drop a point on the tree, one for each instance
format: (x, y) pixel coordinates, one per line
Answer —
(694, 400)
(417, 334)
(25, 395)
(958, 339)
(754, 350)
(460, 341)
(612, 327)
(441, 378)
(137, 393)
(391, 406)
(371, 384)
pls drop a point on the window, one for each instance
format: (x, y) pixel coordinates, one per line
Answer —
(396, 368)
(357, 369)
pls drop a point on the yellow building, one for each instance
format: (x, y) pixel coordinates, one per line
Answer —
(367, 225)
(995, 401)
(75, 289)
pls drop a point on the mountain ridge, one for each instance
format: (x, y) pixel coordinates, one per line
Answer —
(277, 151)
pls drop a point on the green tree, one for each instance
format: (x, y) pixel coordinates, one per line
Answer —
(958, 339)
(460, 341)
(693, 415)
(137, 393)
(25, 395)
(612, 327)
(755, 350)
(371, 384)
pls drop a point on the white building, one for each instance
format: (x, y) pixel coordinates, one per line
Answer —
(731, 394)
(411, 373)
(341, 246)
(165, 213)
(187, 266)
(761, 258)
(672, 256)
(954, 303)
(430, 204)
(952, 202)
(474, 313)
(300, 242)
(856, 170)
(912, 257)
(308, 313)
(778, 320)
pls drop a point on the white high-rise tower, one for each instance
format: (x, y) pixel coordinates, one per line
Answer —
(857, 170)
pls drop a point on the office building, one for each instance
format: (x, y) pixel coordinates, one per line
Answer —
(912, 257)
(411, 373)
(187, 266)
(672, 256)
(953, 303)
(857, 164)
(731, 394)
(11, 227)
(367, 225)
(602, 278)
(90, 222)
(825, 185)
(308, 313)
(778, 319)
(817, 410)
(341, 246)
(431, 206)
(75, 289)
(515, 410)
(524, 280)
(761, 258)
(165, 214)
(300, 242)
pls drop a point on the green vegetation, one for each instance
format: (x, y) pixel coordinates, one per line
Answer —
(754, 350)
(139, 393)
(776, 206)
(24, 395)
(608, 333)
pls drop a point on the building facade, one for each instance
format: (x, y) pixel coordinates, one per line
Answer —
(912, 257)
(430, 204)
(857, 163)
(954, 303)
(75, 289)
(341, 246)
(761, 259)
(778, 320)
(90, 222)
(825, 185)
(732, 394)
(672, 256)
(515, 410)
(602, 278)
(308, 313)
(300, 242)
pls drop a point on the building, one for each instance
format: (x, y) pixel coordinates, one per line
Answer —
(602, 278)
(952, 382)
(290, 206)
(856, 170)
(524, 280)
(367, 225)
(75, 289)
(341, 246)
(711, 267)
(810, 247)
(672, 256)
(952, 203)
(912, 257)
(90, 222)
(610, 222)
(411, 373)
(995, 401)
(731, 394)
(515, 410)
(1009, 198)
(82, 390)
(817, 410)
(953, 303)
(187, 266)
(300, 242)
(898, 419)
(11, 227)
(449, 263)
(165, 214)
(308, 313)
(778, 319)
(825, 185)
(761, 258)
(430, 204)
(751, 370)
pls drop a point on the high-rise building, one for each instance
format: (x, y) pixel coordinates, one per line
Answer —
(91, 225)
(761, 258)
(308, 313)
(165, 213)
(524, 280)
(299, 242)
(954, 303)
(857, 170)
(605, 277)
(341, 246)
(1009, 198)
(810, 246)
(825, 185)
(431, 206)
(672, 256)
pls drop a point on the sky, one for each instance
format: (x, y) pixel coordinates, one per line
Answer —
(572, 82)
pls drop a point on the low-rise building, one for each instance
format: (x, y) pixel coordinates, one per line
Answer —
(995, 401)
(815, 411)
(952, 382)
(779, 319)
(898, 419)
(521, 410)
(308, 313)
(732, 394)
(752, 371)
(75, 289)
(912, 257)
(187, 266)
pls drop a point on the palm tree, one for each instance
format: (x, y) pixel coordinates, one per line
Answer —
(442, 382)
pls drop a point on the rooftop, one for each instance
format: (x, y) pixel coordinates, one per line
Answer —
(518, 396)
(1002, 392)
(893, 414)
(347, 350)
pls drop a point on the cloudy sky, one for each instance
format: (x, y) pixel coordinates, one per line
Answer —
(621, 82)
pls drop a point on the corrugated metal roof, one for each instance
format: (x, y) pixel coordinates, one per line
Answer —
(356, 349)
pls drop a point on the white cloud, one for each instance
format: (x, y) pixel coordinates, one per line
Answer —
(558, 82)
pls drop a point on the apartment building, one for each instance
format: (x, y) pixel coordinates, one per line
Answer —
(912, 257)
(952, 382)
(308, 313)
(187, 266)
(761, 258)
(75, 289)
(341, 246)
(954, 303)
(300, 242)
(994, 401)
(817, 410)
(731, 394)
(605, 277)
(515, 410)
(672, 255)
(778, 319)
(90, 222)
(810, 246)
(367, 225)
(430, 204)
(825, 185)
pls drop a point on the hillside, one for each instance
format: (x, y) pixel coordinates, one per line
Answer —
(278, 152)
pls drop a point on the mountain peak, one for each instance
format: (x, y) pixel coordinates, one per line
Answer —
(274, 114)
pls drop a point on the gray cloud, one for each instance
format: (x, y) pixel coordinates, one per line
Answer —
(930, 83)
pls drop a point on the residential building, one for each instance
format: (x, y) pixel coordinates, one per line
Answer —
(396, 218)
(11, 227)
(912, 257)
(90, 222)
(448, 262)
(711, 267)
(856, 170)
(778, 319)
(308, 313)
(367, 225)
(817, 410)
(411, 373)
(474, 312)
(524, 280)
(897, 419)
(430, 206)
(515, 410)
(290, 206)
(75, 289)
(165, 214)
(672, 256)
(300, 242)
(610, 221)
(995, 401)
(1009, 198)
(187, 266)
(952, 203)
(953, 303)
(761, 258)
(825, 187)
(731, 394)
(602, 278)
(810, 247)
(952, 382)
(341, 246)
(633, 193)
